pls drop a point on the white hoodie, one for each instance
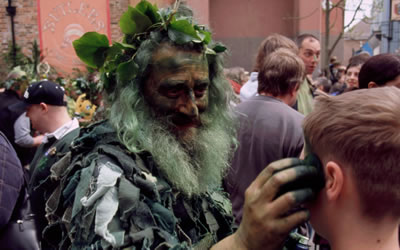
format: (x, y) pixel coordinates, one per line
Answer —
(249, 89)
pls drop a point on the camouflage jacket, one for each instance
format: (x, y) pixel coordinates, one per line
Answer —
(109, 198)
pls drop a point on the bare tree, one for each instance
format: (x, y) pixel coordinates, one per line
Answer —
(329, 9)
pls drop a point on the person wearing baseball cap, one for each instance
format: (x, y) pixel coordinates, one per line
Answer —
(45, 106)
(47, 110)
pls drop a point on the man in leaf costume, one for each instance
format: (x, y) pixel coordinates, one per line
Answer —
(149, 177)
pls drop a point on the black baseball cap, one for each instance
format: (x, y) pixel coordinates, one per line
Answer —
(44, 91)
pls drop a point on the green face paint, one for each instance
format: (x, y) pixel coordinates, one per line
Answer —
(309, 174)
(312, 160)
(178, 86)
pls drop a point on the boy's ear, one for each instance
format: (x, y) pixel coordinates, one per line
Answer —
(372, 85)
(333, 180)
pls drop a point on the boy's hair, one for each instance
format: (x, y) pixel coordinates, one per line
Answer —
(360, 129)
(269, 45)
(281, 72)
(380, 69)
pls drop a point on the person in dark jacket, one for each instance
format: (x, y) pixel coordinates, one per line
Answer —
(11, 180)
(15, 87)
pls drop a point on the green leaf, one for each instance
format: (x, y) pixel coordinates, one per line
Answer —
(127, 71)
(207, 38)
(91, 48)
(219, 48)
(182, 31)
(149, 10)
(114, 50)
(133, 21)
(210, 51)
(105, 81)
(164, 14)
(126, 45)
(109, 66)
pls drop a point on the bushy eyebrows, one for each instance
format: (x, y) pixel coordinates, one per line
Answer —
(168, 84)
(175, 83)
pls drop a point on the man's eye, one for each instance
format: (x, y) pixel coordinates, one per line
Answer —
(173, 93)
(199, 92)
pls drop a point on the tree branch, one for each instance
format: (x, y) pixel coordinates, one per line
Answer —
(334, 21)
(330, 51)
(354, 16)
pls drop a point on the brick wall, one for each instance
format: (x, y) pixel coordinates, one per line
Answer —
(26, 25)
(117, 7)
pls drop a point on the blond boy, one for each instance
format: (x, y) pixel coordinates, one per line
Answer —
(357, 138)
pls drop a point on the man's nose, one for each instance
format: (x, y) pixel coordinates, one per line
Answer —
(188, 106)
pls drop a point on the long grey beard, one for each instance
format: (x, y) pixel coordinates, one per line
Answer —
(192, 166)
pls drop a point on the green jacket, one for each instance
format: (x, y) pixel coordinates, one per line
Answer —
(150, 214)
(305, 97)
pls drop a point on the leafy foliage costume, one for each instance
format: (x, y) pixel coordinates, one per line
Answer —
(150, 213)
(105, 195)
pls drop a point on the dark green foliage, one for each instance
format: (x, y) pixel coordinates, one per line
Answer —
(20, 58)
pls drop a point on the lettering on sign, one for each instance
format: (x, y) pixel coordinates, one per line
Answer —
(63, 21)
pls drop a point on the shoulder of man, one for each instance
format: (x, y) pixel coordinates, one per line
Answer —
(45, 157)
(65, 142)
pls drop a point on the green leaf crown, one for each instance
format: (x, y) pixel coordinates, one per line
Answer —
(117, 62)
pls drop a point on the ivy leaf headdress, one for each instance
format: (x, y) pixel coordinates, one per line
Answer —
(137, 24)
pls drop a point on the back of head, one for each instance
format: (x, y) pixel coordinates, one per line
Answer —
(17, 80)
(379, 69)
(46, 92)
(323, 83)
(359, 59)
(237, 74)
(281, 71)
(360, 130)
(269, 45)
